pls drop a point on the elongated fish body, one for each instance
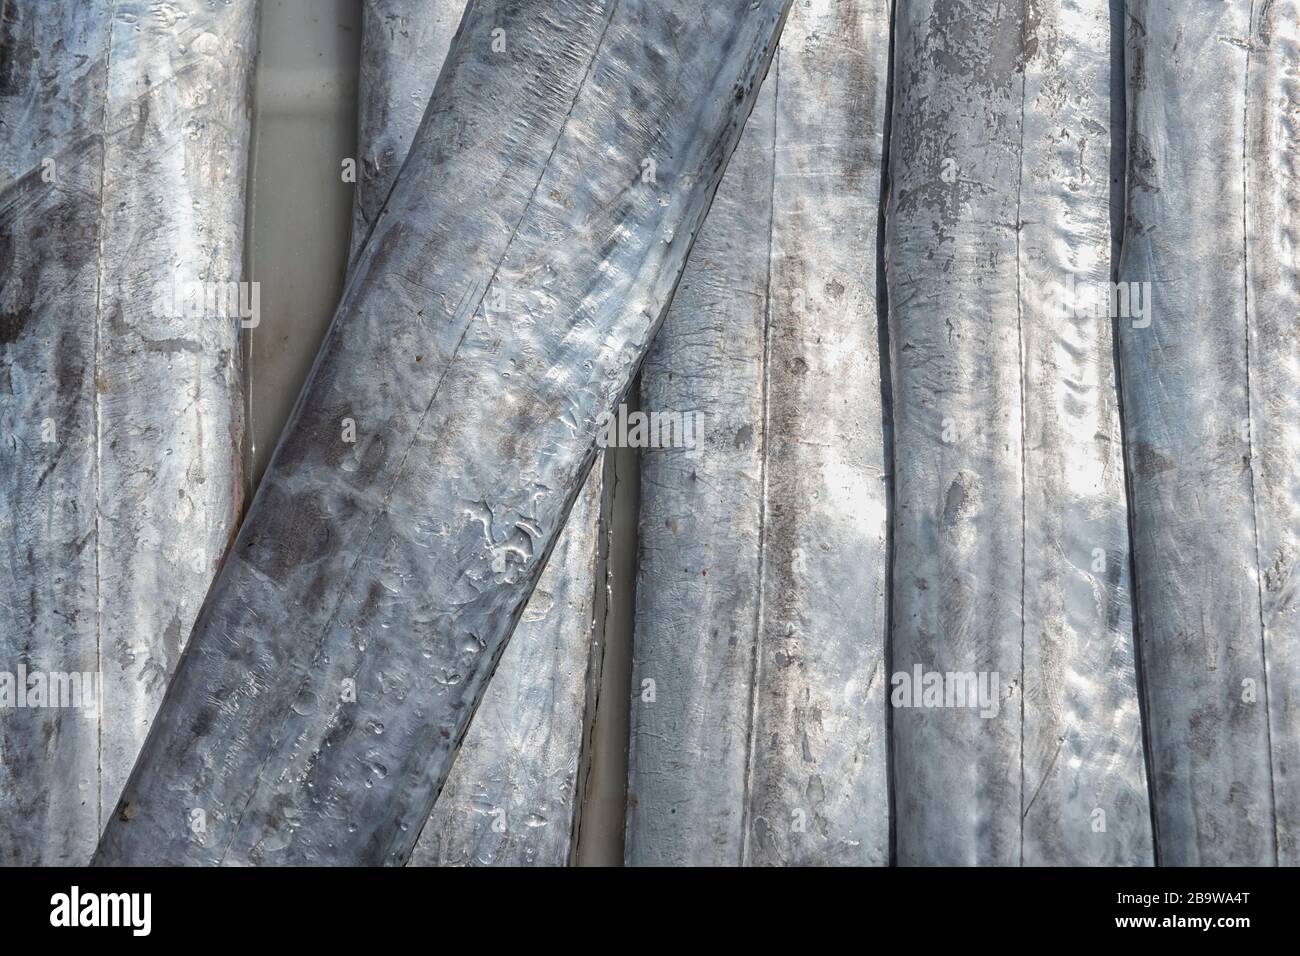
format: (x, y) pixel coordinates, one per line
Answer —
(513, 794)
(403, 46)
(511, 797)
(1273, 289)
(121, 211)
(698, 563)
(1084, 782)
(503, 302)
(1017, 736)
(1210, 399)
(758, 713)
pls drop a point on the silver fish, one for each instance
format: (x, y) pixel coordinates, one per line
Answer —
(403, 46)
(122, 169)
(1212, 412)
(502, 303)
(758, 716)
(1017, 734)
(512, 796)
(514, 792)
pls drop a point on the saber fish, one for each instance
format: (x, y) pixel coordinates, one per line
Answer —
(513, 794)
(758, 714)
(503, 302)
(1273, 295)
(122, 170)
(403, 46)
(1017, 733)
(1212, 407)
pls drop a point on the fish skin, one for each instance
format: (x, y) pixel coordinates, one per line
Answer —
(114, 527)
(1084, 760)
(1210, 414)
(1273, 229)
(504, 202)
(1007, 459)
(697, 579)
(403, 46)
(511, 797)
(771, 544)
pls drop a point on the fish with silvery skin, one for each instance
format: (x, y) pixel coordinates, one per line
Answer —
(122, 179)
(437, 522)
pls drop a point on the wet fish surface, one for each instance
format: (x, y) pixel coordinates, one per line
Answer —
(758, 709)
(404, 44)
(1212, 414)
(1016, 727)
(503, 301)
(122, 172)
(512, 796)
